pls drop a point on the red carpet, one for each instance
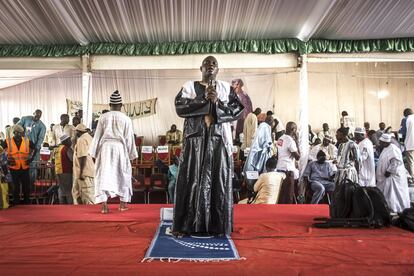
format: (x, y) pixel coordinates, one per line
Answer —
(274, 239)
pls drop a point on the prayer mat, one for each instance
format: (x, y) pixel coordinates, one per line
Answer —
(166, 247)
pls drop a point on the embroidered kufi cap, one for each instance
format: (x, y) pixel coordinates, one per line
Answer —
(360, 130)
(81, 128)
(385, 137)
(115, 98)
(64, 137)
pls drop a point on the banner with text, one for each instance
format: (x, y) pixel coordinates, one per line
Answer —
(133, 110)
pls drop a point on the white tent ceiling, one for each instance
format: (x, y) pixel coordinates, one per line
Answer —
(45, 22)
(137, 21)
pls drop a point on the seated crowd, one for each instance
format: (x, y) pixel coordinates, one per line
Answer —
(381, 158)
(268, 148)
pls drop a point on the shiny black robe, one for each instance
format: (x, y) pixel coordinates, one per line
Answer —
(203, 193)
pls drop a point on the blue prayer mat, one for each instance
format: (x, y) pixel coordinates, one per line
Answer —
(166, 247)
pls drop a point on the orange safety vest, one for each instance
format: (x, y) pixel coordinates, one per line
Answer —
(18, 156)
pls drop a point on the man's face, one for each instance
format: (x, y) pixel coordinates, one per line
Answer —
(326, 142)
(321, 158)
(359, 136)
(339, 136)
(292, 128)
(75, 121)
(67, 143)
(65, 120)
(382, 126)
(383, 144)
(236, 85)
(37, 115)
(325, 127)
(209, 68)
(18, 134)
(367, 126)
(173, 128)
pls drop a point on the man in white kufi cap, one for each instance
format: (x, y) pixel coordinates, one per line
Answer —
(113, 147)
(391, 175)
(367, 164)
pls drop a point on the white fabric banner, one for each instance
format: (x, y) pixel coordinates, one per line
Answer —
(132, 110)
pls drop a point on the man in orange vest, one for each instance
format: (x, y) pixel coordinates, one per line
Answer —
(20, 152)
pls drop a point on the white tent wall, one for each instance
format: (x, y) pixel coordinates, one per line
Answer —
(137, 85)
(48, 94)
(369, 92)
(358, 88)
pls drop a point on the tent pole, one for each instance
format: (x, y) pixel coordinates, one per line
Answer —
(303, 114)
(86, 91)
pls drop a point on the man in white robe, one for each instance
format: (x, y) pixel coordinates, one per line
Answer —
(113, 147)
(391, 175)
(367, 165)
(327, 147)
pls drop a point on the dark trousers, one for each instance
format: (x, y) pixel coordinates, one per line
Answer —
(288, 189)
(21, 177)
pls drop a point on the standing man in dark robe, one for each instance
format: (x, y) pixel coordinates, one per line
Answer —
(204, 197)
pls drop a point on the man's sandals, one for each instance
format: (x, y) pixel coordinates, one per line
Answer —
(105, 208)
(123, 206)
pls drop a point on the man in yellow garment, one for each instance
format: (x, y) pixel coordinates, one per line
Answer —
(83, 190)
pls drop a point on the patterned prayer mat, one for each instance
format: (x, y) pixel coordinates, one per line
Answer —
(166, 247)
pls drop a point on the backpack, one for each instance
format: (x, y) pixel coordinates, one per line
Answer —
(356, 206)
(406, 219)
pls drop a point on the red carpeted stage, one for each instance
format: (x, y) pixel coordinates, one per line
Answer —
(274, 239)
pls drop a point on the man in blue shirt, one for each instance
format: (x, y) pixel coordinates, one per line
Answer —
(320, 175)
(35, 130)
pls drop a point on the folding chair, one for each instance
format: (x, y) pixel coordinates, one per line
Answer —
(236, 161)
(163, 154)
(176, 151)
(250, 179)
(138, 186)
(139, 141)
(158, 183)
(162, 140)
(45, 179)
(146, 158)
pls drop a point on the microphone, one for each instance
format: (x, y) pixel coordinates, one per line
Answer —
(211, 83)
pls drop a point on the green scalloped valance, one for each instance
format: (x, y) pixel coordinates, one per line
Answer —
(393, 45)
(268, 46)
